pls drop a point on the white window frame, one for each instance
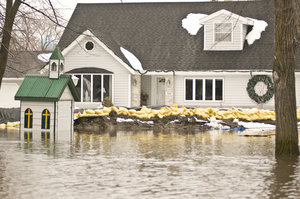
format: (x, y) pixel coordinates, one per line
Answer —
(203, 89)
(92, 87)
(214, 33)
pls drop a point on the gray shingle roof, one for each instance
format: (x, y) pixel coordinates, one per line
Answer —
(153, 32)
(21, 63)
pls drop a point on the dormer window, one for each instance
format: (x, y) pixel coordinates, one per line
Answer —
(53, 66)
(223, 32)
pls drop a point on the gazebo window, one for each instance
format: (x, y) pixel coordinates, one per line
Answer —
(61, 67)
(53, 66)
(45, 119)
(28, 118)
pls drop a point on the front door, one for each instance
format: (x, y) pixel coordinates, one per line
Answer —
(160, 91)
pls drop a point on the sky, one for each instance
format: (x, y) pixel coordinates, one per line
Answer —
(68, 6)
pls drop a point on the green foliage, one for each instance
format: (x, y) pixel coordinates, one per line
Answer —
(251, 91)
(107, 102)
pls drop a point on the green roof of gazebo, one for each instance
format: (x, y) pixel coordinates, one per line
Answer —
(42, 88)
(56, 54)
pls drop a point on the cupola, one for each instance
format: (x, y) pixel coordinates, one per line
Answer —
(56, 64)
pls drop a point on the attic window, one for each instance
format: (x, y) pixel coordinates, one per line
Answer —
(89, 45)
(223, 32)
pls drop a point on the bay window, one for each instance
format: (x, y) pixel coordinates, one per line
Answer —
(203, 89)
(94, 87)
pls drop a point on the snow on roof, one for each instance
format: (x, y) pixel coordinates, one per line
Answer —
(258, 27)
(191, 22)
(133, 60)
(44, 57)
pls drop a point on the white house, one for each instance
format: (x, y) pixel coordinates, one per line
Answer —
(128, 50)
(47, 103)
(19, 64)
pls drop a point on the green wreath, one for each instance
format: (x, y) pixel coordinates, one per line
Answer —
(251, 91)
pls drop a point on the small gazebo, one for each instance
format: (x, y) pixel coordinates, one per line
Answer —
(47, 102)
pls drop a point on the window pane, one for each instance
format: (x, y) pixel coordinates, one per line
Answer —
(208, 89)
(107, 91)
(199, 89)
(223, 37)
(223, 27)
(78, 85)
(97, 88)
(188, 89)
(223, 32)
(219, 89)
(86, 88)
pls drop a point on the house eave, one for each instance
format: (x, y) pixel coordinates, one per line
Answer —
(88, 33)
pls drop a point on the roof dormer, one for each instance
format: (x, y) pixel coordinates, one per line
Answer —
(225, 31)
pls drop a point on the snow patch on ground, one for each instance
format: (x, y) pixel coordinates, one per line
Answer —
(255, 125)
(255, 34)
(44, 57)
(124, 120)
(146, 122)
(191, 22)
(133, 60)
(214, 123)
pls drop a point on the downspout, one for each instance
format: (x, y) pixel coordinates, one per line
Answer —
(54, 131)
(72, 121)
(173, 86)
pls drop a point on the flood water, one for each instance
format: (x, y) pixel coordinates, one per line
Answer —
(146, 165)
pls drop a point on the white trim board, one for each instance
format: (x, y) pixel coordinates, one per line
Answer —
(88, 33)
(228, 13)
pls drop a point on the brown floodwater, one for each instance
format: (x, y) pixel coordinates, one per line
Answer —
(145, 164)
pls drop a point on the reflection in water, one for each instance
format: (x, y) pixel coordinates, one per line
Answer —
(285, 178)
(145, 164)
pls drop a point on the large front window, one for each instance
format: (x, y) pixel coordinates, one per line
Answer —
(203, 89)
(94, 87)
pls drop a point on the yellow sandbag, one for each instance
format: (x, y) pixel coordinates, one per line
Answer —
(112, 108)
(106, 110)
(103, 114)
(89, 112)
(9, 124)
(98, 111)
(131, 112)
(78, 115)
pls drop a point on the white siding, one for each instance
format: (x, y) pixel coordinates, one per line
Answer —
(64, 120)
(78, 57)
(236, 34)
(37, 109)
(235, 93)
(67, 95)
(7, 95)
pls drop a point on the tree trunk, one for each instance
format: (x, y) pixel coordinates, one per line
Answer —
(10, 14)
(284, 79)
